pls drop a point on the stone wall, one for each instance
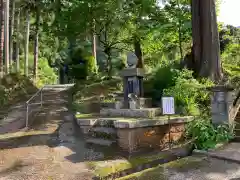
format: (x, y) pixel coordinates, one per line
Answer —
(157, 137)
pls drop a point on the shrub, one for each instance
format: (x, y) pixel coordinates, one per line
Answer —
(46, 74)
(206, 135)
(161, 78)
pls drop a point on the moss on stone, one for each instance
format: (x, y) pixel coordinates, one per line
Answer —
(185, 164)
(113, 167)
(82, 116)
(156, 173)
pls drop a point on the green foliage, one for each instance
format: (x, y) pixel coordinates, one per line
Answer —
(188, 92)
(206, 135)
(14, 87)
(91, 65)
(46, 74)
(78, 71)
(162, 78)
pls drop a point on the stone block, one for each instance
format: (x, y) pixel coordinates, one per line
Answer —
(158, 137)
(141, 102)
(138, 113)
(86, 122)
(147, 122)
(129, 72)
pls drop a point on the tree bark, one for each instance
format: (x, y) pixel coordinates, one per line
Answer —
(11, 30)
(206, 46)
(26, 49)
(36, 43)
(6, 36)
(138, 52)
(17, 40)
(2, 39)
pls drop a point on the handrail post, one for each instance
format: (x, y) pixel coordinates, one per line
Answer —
(41, 97)
(27, 114)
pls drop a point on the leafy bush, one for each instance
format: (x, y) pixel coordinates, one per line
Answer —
(161, 78)
(46, 74)
(91, 65)
(206, 135)
(13, 87)
(189, 93)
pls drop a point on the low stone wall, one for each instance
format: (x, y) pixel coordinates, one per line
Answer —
(157, 137)
(94, 107)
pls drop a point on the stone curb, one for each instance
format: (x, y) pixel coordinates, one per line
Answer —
(210, 153)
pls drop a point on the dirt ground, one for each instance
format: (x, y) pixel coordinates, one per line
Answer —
(41, 153)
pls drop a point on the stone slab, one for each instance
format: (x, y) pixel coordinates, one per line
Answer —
(139, 123)
(102, 142)
(87, 121)
(138, 113)
(141, 102)
(229, 152)
(128, 72)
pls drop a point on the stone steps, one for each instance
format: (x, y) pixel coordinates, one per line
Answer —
(104, 130)
(237, 128)
(100, 141)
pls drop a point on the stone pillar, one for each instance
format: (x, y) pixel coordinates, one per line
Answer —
(135, 76)
(221, 102)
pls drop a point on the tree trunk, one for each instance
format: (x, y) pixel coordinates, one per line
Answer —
(206, 47)
(17, 40)
(2, 39)
(180, 31)
(94, 48)
(197, 39)
(94, 45)
(36, 44)
(138, 52)
(26, 43)
(11, 30)
(6, 36)
(109, 60)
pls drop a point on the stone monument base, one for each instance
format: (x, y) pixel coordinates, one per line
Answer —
(134, 135)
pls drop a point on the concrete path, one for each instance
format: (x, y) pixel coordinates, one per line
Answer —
(196, 167)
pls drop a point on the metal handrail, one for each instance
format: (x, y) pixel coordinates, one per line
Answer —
(28, 103)
(40, 91)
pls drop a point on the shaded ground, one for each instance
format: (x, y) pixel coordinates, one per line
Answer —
(192, 168)
(42, 152)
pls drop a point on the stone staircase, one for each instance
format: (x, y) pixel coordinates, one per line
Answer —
(101, 132)
(237, 118)
(237, 128)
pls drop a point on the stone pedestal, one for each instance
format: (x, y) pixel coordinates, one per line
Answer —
(157, 137)
(221, 102)
(132, 83)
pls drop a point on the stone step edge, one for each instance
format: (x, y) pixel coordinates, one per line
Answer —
(135, 123)
(100, 141)
(101, 129)
(137, 113)
(170, 155)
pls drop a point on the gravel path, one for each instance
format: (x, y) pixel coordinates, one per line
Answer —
(49, 151)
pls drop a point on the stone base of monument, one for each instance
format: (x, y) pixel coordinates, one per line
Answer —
(140, 103)
(134, 134)
(137, 113)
